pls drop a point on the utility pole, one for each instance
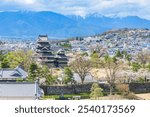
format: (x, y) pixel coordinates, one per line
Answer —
(36, 89)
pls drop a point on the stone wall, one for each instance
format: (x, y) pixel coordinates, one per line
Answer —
(71, 89)
(85, 88)
(139, 87)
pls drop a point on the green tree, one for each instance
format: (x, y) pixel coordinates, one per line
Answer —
(50, 80)
(141, 80)
(47, 75)
(1, 55)
(5, 64)
(95, 60)
(84, 54)
(123, 54)
(95, 55)
(23, 58)
(135, 66)
(129, 58)
(44, 72)
(68, 75)
(33, 72)
(119, 54)
(96, 91)
(94, 86)
(148, 66)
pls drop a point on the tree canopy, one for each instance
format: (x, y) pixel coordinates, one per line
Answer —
(81, 66)
(15, 58)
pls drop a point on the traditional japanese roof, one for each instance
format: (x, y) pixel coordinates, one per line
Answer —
(47, 55)
(12, 74)
(61, 51)
(43, 38)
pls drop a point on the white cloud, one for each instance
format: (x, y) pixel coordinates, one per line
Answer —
(26, 1)
(20, 1)
(120, 8)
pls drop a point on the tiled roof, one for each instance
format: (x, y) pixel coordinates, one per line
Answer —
(18, 72)
(43, 38)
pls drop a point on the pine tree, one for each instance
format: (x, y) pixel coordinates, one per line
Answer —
(96, 91)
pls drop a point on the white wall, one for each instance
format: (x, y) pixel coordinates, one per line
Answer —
(17, 90)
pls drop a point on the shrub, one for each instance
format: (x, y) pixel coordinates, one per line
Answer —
(96, 91)
(123, 89)
(140, 80)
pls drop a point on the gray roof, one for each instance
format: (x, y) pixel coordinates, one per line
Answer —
(20, 90)
(43, 38)
(18, 72)
(61, 51)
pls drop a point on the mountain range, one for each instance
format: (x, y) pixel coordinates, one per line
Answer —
(27, 23)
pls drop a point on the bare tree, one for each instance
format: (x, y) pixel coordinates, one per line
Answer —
(98, 49)
(81, 66)
(143, 57)
(112, 67)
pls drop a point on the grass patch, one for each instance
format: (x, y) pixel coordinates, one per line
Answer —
(68, 96)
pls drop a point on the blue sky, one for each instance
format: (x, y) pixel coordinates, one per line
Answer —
(113, 8)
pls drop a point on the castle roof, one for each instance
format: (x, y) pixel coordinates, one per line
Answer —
(43, 38)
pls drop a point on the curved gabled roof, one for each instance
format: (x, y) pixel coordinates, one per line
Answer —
(18, 72)
(60, 51)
